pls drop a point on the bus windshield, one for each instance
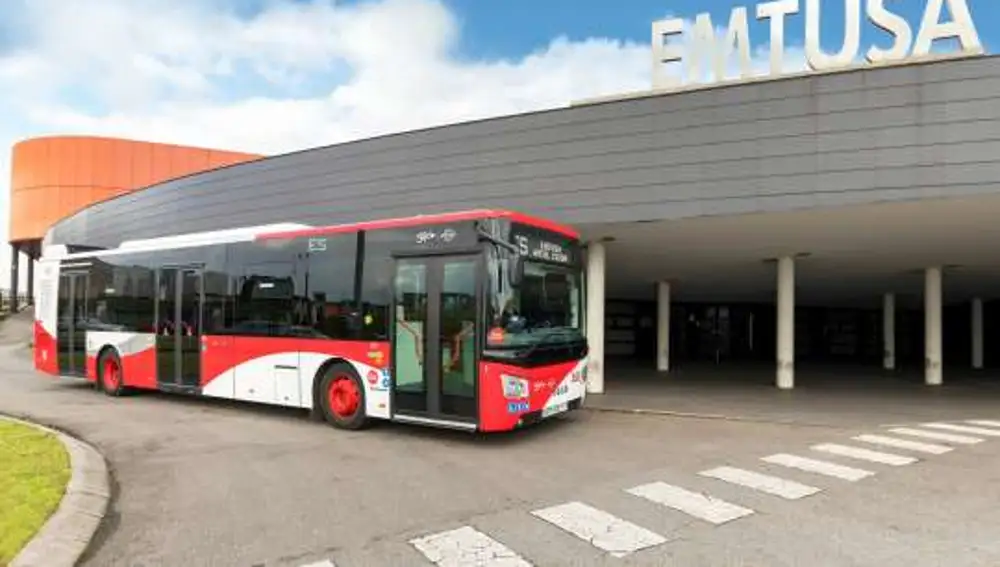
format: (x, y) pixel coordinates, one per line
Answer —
(543, 308)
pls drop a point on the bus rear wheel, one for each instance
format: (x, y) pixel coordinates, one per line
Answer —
(342, 398)
(110, 375)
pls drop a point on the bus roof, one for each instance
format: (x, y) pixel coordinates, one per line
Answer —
(292, 230)
(185, 240)
(405, 222)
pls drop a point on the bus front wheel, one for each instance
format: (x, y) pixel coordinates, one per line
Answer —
(342, 397)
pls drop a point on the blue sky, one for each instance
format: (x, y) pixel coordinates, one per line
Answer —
(509, 28)
(487, 31)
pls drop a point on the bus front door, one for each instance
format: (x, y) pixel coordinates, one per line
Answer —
(434, 336)
(71, 334)
(179, 323)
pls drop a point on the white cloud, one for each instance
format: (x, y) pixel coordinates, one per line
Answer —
(292, 75)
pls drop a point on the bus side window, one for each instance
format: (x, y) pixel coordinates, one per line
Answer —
(377, 281)
(330, 305)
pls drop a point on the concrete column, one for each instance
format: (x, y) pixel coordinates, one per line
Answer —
(786, 323)
(932, 326)
(595, 317)
(977, 334)
(15, 276)
(663, 326)
(31, 279)
(889, 331)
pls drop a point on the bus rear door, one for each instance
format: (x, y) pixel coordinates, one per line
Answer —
(435, 340)
(179, 301)
(71, 333)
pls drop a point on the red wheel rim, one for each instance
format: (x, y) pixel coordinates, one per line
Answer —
(344, 396)
(111, 374)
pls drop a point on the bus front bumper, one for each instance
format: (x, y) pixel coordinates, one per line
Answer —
(549, 412)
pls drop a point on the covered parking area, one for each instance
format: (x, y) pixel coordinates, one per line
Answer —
(861, 297)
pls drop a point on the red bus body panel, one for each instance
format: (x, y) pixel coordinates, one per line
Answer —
(549, 387)
(46, 353)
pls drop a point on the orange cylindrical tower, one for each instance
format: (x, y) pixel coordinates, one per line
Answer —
(54, 177)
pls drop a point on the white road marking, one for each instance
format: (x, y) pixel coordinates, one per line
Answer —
(964, 429)
(787, 489)
(948, 437)
(467, 547)
(604, 531)
(324, 563)
(865, 454)
(696, 504)
(819, 467)
(986, 422)
(904, 444)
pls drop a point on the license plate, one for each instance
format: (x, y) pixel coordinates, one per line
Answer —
(552, 410)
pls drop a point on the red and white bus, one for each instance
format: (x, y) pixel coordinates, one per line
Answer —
(469, 320)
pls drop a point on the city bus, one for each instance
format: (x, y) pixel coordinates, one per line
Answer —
(469, 320)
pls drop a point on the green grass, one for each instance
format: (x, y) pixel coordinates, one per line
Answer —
(34, 471)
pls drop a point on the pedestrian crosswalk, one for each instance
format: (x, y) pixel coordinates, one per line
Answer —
(467, 546)
(986, 422)
(605, 531)
(865, 454)
(786, 489)
(616, 537)
(696, 504)
(906, 444)
(964, 429)
(936, 435)
(819, 467)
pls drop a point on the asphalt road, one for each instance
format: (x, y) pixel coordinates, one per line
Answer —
(217, 484)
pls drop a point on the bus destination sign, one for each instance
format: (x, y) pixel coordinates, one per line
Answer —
(542, 249)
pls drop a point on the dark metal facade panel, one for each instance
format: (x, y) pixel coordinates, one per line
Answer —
(869, 135)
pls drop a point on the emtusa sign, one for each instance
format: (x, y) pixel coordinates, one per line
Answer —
(707, 54)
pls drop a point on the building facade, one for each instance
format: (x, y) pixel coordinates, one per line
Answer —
(715, 216)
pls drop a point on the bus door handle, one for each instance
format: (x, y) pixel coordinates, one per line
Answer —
(285, 367)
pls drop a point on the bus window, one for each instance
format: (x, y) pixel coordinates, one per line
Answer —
(458, 328)
(411, 318)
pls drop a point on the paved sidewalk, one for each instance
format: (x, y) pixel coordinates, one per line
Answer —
(832, 396)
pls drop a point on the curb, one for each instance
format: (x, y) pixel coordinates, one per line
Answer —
(64, 537)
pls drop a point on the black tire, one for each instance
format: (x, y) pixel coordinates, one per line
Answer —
(341, 397)
(113, 384)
